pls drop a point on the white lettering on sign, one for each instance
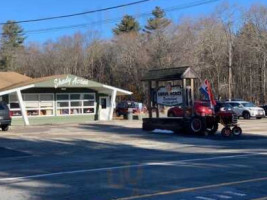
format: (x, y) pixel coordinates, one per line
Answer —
(170, 96)
(69, 81)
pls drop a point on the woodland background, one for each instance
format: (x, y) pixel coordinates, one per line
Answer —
(230, 38)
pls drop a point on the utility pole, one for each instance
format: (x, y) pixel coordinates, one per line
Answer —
(264, 78)
(230, 75)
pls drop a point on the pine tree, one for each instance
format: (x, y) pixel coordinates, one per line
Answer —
(158, 21)
(12, 39)
(128, 25)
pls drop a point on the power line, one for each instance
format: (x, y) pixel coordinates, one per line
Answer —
(84, 25)
(78, 14)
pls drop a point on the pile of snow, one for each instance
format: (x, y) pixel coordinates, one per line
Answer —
(162, 131)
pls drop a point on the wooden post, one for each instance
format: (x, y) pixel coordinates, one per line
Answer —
(192, 95)
(149, 100)
(157, 106)
(184, 95)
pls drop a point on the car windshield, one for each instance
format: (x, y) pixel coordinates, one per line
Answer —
(248, 104)
(227, 105)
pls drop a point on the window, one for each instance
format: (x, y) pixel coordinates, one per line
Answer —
(103, 103)
(75, 96)
(88, 103)
(75, 104)
(44, 104)
(62, 97)
(46, 97)
(31, 97)
(89, 96)
(63, 104)
(234, 104)
(35, 104)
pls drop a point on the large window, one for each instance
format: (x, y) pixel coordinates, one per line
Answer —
(44, 104)
(75, 103)
(35, 104)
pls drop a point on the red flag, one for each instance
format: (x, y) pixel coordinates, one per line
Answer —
(211, 97)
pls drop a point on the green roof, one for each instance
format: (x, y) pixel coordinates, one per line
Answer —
(168, 74)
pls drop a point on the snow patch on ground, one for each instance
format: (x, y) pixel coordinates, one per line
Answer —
(162, 131)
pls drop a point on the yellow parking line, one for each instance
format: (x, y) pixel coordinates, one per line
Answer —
(262, 198)
(194, 189)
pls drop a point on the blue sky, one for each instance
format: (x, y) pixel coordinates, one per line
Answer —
(31, 9)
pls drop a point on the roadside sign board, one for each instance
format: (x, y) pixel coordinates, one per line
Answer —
(170, 95)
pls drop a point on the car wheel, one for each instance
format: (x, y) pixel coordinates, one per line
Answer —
(226, 132)
(258, 117)
(5, 128)
(236, 131)
(246, 115)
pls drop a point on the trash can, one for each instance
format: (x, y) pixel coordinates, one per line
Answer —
(130, 114)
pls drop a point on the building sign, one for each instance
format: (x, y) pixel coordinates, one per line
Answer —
(70, 81)
(169, 95)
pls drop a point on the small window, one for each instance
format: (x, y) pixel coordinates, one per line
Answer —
(31, 97)
(75, 111)
(46, 112)
(14, 105)
(76, 103)
(89, 96)
(103, 103)
(13, 97)
(88, 103)
(62, 97)
(63, 104)
(46, 97)
(88, 110)
(63, 111)
(75, 96)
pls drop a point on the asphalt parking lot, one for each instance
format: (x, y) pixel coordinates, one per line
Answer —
(117, 160)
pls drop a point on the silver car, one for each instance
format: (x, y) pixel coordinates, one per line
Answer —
(247, 109)
(5, 119)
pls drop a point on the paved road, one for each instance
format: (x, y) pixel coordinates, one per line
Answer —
(119, 161)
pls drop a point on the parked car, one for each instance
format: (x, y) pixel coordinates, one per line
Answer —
(223, 106)
(201, 108)
(5, 118)
(265, 109)
(122, 108)
(247, 109)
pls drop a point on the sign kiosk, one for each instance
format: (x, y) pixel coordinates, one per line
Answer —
(169, 87)
(175, 87)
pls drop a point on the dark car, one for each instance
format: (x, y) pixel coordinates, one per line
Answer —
(223, 105)
(265, 109)
(5, 118)
(122, 108)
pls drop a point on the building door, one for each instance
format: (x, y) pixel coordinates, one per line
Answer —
(104, 108)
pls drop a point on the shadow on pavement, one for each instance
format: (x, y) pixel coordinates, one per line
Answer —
(53, 156)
